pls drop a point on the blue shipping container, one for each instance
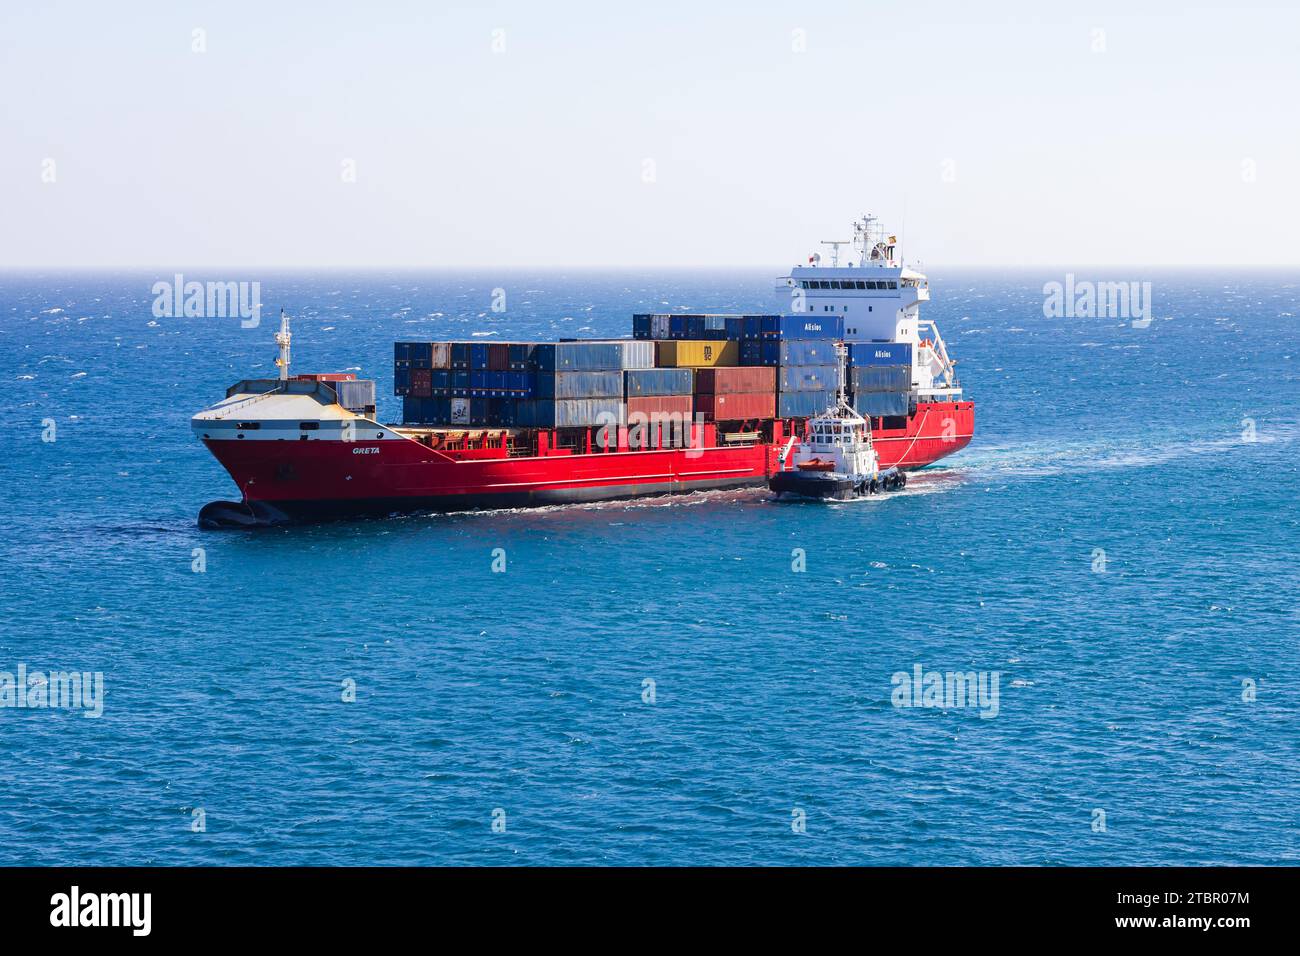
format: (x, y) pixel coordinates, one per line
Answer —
(426, 411)
(773, 351)
(880, 353)
(484, 383)
(579, 413)
(401, 381)
(803, 404)
(520, 382)
(420, 354)
(503, 413)
(519, 356)
(880, 404)
(806, 326)
(880, 378)
(460, 355)
(570, 385)
(659, 381)
(806, 378)
(577, 356)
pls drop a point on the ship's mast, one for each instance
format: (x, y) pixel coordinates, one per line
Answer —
(282, 339)
(862, 237)
(841, 374)
(869, 235)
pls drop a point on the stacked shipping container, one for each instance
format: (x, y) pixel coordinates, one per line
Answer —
(516, 384)
(722, 368)
(737, 327)
(659, 392)
(880, 378)
(735, 394)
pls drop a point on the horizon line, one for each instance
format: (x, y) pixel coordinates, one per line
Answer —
(687, 267)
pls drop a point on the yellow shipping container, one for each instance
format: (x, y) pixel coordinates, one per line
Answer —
(687, 353)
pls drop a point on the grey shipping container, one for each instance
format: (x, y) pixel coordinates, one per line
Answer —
(659, 381)
(356, 395)
(566, 385)
(440, 355)
(807, 378)
(880, 404)
(880, 378)
(574, 413)
(635, 353)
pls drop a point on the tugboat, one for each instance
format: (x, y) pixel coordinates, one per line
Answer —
(835, 462)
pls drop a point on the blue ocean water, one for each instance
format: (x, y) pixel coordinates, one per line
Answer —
(1118, 543)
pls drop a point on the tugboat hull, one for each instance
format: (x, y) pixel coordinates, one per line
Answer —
(832, 486)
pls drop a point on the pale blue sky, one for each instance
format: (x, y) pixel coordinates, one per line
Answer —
(996, 127)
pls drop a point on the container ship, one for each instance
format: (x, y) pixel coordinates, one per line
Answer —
(688, 402)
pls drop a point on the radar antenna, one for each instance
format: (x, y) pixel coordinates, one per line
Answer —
(835, 249)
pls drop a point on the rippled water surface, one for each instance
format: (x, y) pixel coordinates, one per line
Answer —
(1119, 543)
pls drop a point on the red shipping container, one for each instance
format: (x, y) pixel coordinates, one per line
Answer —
(421, 382)
(498, 356)
(659, 421)
(736, 407)
(656, 405)
(739, 379)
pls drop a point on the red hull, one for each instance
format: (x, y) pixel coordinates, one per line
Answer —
(326, 478)
(935, 431)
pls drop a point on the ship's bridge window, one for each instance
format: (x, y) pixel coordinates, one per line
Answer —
(249, 426)
(309, 426)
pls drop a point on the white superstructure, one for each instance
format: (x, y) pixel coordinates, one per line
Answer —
(879, 299)
(839, 438)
